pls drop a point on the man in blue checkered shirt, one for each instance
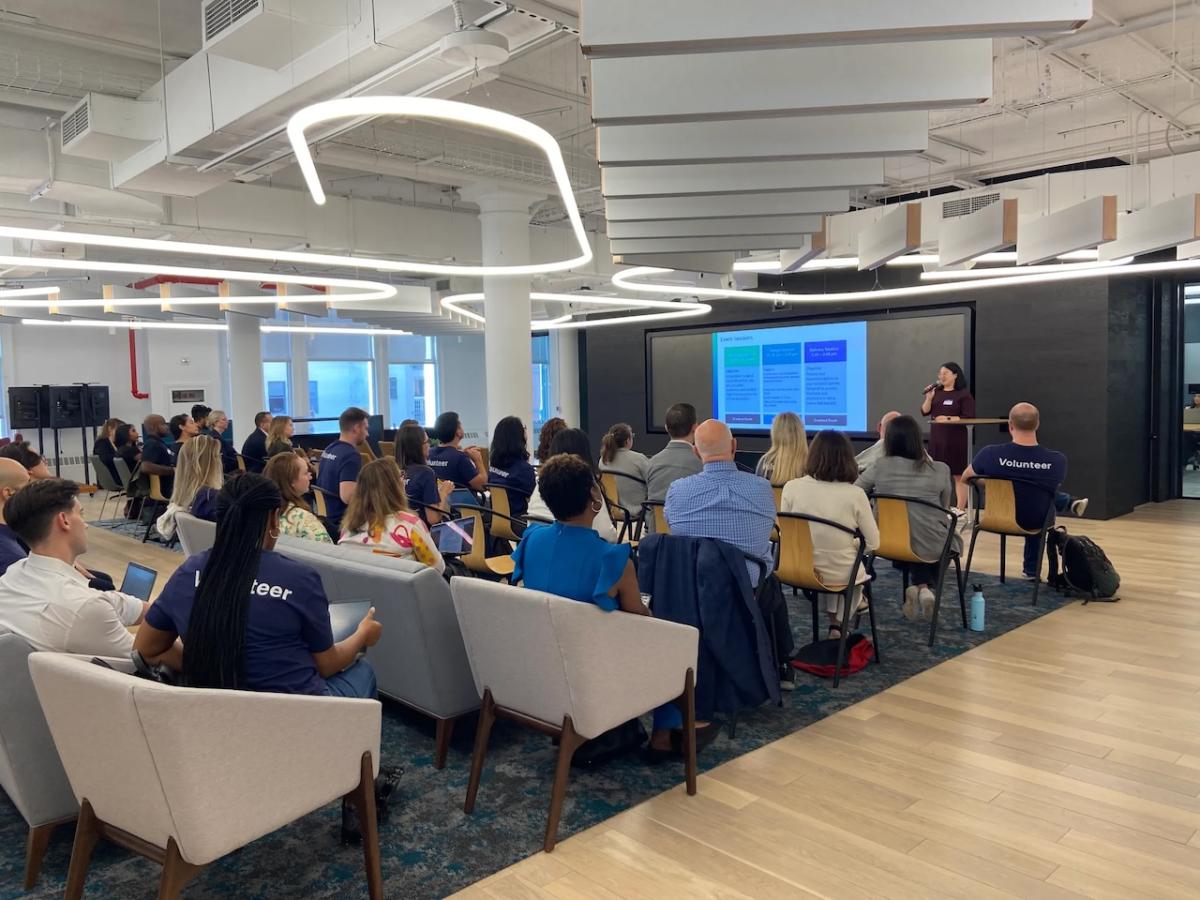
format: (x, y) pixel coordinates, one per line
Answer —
(723, 502)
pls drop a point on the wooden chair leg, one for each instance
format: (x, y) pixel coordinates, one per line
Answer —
(363, 798)
(688, 702)
(871, 617)
(567, 745)
(35, 850)
(843, 631)
(962, 590)
(487, 716)
(445, 731)
(1003, 554)
(970, 556)
(176, 873)
(87, 833)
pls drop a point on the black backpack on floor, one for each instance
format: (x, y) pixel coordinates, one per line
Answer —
(1084, 566)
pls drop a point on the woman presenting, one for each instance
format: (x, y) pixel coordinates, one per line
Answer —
(947, 400)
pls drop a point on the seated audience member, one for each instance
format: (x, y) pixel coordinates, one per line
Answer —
(421, 486)
(254, 449)
(575, 442)
(906, 470)
(13, 477)
(198, 480)
(183, 428)
(45, 597)
(105, 448)
(215, 427)
(379, 517)
(449, 461)
(723, 502)
(252, 619)
(128, 448)
(868, 457)
(550, 428)
(157, 459)
(292, 477)
(508, 463)
(788, 452)
(570, 560)
(1038, 473)
(279, 438)
(200, 414)
(34, 462)
(340, 465)
(617, 455)
(677, 459)
(409, 422)
(828, 491)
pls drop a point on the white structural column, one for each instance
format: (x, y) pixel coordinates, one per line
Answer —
(245, 373)
(565, 358)
(504, 221)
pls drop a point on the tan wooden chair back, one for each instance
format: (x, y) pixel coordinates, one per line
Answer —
(322, 509)
(501, 527)
(660, 517)
(241, 463)
(895, 534)
(999, 515)
(156, 489)
(777, 490)
(387, 448)
(796, 568)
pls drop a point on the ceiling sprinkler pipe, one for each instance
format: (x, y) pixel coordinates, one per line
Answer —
(133, 379)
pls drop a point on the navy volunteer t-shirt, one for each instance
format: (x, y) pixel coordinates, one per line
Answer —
(1035, 464)
(155, 451)
(340, 462)
(519, 475)
(288, 621)
(451, 464)
(420, 485)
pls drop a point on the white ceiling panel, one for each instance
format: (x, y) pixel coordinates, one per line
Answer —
(758, 83)
(801, 137)
(620, 247)
(745, 204)
(736, 178)
(622, 28)
(715, 227)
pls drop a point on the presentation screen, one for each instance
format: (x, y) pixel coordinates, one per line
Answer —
(818, 372)
(839, 372)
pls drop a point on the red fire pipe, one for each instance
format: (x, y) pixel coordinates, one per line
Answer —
(133, 384)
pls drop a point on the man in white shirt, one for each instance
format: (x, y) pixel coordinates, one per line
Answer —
(43, 597)
(872, 453)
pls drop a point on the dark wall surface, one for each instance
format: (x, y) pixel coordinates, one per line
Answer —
(1079, 350)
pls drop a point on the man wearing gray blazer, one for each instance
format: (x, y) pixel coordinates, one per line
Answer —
(678, 459)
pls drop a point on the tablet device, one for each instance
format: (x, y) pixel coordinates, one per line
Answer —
(454, 537)
(344, 617)
(139, 581)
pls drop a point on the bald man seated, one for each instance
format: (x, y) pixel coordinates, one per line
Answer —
(1037, 471)
(723, 502)
(13, 477)
(869, 456)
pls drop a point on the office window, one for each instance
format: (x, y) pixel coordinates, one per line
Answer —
(276, 387)
(412, 379)
(543, 403)
(334, 384)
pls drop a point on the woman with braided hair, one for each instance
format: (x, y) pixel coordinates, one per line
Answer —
(252, 619)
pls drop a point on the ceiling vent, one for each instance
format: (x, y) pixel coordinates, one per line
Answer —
(110, 128)
(270, 33)
(964, 206)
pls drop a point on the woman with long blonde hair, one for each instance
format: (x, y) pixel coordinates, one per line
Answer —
(199, 477)
(279, 438)
(789, 450)
(379, 516)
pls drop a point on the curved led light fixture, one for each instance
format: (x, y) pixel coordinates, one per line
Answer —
(139, 325)
(677, 310)
(364, 290)
(460, 114)
(5, 293)
(1011, 271)
(627, 280)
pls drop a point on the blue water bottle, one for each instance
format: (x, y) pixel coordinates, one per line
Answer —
(977, 609)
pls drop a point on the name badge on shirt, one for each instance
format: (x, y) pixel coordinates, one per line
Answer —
(947, 403)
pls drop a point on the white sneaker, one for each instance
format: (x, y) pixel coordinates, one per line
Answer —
(925, 598)
(1079, 507)
(911, 600)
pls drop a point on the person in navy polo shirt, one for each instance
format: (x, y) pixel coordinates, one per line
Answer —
(281, 640)
(337, 476)
(1036, 471)
(13, 477)
(157, 458)
(509, 463)
(449, 462)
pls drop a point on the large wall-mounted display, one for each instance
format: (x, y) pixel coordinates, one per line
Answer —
(841, 373)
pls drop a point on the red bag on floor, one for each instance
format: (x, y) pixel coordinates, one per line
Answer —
(820, 657)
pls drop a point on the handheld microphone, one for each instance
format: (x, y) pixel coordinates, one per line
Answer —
(931, 387)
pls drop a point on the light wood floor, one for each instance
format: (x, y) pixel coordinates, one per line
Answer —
(110, 552)
(1059, 760)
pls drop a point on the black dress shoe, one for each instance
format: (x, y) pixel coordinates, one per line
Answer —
(652, 756)
(704, 737)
